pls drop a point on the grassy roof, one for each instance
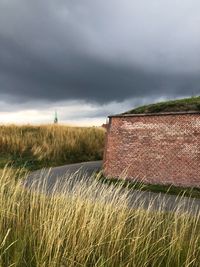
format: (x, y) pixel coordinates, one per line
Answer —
(180, 105)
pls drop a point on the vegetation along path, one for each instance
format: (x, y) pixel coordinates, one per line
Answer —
(138, 198)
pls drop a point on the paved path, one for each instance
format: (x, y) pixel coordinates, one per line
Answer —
(60, 174)
(142, 199)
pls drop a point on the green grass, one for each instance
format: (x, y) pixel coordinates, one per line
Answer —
(90, 225)
(21, 161)
(156, 188)
(180, 105)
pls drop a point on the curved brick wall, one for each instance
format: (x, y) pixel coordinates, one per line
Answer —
(162, 148)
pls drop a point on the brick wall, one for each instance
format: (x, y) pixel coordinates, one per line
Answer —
(161, 148)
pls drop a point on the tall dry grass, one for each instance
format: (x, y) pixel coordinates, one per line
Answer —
(90, 224)
(52, 144)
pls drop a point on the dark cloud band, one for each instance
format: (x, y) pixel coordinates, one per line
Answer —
(56, 50)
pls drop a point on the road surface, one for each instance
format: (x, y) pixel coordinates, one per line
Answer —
(60, 174)
(137, 199)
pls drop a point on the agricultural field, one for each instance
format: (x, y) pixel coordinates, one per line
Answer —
(34, 147)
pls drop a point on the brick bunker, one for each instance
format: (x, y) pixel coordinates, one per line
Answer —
(162, 148)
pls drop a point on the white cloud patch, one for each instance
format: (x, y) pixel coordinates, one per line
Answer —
(69, 112)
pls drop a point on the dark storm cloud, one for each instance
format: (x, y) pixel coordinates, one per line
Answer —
(98, 51)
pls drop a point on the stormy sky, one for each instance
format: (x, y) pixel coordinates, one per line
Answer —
(92, 58)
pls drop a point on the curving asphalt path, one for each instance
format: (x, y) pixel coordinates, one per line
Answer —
(141, 199)
(60, 174)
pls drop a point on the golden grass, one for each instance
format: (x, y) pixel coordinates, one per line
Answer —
(90, 224)
(50, 145)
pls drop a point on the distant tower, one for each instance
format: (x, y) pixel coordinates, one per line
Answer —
(56, 118)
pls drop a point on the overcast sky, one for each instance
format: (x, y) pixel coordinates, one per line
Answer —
(92, 58)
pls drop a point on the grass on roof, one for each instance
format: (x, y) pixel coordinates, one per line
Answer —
(179, 105)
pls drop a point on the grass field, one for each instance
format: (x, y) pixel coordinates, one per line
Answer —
(179, 105)
(50, 145)
(90, 226)
(156, 188)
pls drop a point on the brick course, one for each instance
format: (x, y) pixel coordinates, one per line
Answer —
(159, 148)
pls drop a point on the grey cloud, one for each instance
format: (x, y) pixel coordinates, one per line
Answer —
(98, 51)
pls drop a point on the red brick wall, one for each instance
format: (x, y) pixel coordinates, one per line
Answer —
(154, 148)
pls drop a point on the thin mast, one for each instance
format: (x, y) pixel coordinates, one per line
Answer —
(56, 117)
